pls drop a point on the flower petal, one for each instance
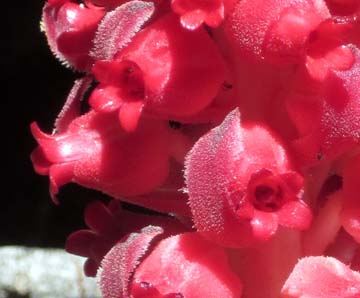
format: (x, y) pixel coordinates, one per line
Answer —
(295, 215)
(264, 224)
(321, 277)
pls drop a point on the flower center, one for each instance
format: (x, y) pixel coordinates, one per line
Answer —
(265, 191)
(267, 198)
(132, 79)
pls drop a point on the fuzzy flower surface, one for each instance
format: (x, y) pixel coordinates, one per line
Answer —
(233, 124)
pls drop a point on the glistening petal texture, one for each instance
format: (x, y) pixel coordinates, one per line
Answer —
(105, 157)
(70, 28)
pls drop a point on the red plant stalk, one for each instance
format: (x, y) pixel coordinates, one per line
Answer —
(238, 121)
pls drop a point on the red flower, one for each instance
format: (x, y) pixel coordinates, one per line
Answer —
(157, 73)
(327, 117)
(70, 28)
(241, 185)
(327, 48)
(268, 196)
(274, 30)
(95, 152)
(185, 265)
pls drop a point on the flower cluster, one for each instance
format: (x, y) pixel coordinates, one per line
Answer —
(237, 121)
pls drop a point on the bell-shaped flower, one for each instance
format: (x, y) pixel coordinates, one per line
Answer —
(328, 116)
(277, 47)
(327, 48)
(165, 70)
(291, 33)
(184, 265)
(96, 152)
(241, 185)
(70, 28)
(276, 31)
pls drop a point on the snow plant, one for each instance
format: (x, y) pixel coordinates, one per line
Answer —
(237, 121)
